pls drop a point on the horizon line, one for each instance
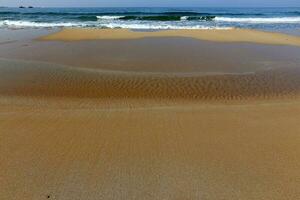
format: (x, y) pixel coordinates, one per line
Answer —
(152, 6)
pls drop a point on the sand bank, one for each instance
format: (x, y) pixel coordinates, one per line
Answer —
(230, 35)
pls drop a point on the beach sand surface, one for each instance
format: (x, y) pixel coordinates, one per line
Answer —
(227, 35)
(72, 132)
(180, 152)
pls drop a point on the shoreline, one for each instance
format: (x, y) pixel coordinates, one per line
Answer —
(227, 36)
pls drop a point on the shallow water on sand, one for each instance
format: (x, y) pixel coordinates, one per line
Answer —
(37, 79)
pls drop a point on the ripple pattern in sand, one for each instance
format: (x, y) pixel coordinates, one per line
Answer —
(40, 79)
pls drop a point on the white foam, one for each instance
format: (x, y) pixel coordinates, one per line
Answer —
(160, 26)
(106, 24)
(20, 24)
(184, 18)
(275, 20)
(109, 17)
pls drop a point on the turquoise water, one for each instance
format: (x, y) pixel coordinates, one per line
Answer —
(273, 19)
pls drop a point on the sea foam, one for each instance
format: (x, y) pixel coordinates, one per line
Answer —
(20, 24)
(272, 20)
(109, 17)
(108, 24)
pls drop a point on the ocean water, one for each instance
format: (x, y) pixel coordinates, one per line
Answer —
(270, 19)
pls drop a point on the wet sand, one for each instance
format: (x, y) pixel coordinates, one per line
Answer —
(162, 55)
(194, 131)
(36, 79)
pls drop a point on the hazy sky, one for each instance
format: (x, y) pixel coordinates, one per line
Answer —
(150, 3)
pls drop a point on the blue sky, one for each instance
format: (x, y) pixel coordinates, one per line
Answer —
(152, 3)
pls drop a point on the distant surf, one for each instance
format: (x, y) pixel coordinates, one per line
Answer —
(157, 18)
(260, 20)
(152, 18)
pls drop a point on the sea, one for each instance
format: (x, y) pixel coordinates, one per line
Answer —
(269, 19)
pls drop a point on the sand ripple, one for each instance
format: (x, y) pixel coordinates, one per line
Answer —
(40, 79)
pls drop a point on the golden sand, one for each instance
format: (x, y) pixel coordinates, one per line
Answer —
(80, 133)
(228, 35)
(180, 152)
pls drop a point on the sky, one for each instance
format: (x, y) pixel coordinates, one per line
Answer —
(152, 3)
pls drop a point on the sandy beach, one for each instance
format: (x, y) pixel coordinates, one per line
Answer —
(227, 35)
(118, 114)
